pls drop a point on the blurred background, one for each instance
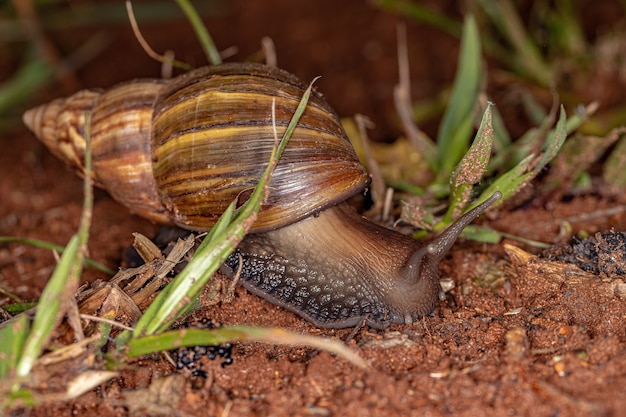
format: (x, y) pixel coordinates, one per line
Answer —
(51, 48)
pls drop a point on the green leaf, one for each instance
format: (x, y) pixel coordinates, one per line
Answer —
(47, 245)
(28, 79)
(456, 126)
(12, 338)
(510, 182)
(17, 308)
(54, 300)
(554, 142)
(420, 13)
(481, 234)
(202, 33)
(48, 308)
(524, 54)
(199, 337)
(174, 300)
(471, 168)
(615, 167)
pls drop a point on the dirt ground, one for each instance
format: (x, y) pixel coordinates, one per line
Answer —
(515, 336)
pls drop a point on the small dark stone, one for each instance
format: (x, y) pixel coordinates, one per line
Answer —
(191, 358)
(603, 254)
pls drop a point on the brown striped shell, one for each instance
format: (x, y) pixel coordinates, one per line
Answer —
(180, 151)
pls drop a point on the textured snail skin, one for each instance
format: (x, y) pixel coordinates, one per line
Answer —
(337, 269)
(179, 151)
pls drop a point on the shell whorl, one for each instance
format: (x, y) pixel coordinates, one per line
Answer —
(180, 151)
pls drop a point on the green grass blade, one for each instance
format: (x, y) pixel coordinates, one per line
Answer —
(58, 248)
(28, 79)
(525, 56)
(457, 124)
(510, 182)
(555, 140)
(526, 169)
(221, 225)
(534, 140)
(186, 287)
(12, 339)
(533, 109)
(202, 33)
(481, 234)
(614, 170)
(579, 117)
(48, 308)
(16, 308)
(200, 337)
(471, 168)
(420, 13)
(53, 301)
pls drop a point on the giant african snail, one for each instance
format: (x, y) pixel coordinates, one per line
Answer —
(180, 151)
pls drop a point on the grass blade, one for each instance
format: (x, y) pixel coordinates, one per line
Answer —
(555, 140)
(202, 33)
(12, 339)
(64, 282)
(525, 55)
(199, 337)
(49, 308)
(614, 171)
(510, 182)
(186, 287)
(58, 248)
(457, 124)
(471, 168)
(30, 77)
(420, 13)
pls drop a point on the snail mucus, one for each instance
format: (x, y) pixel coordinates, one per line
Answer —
(179, 151)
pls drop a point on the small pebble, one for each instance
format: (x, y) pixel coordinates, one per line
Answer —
(191, 357)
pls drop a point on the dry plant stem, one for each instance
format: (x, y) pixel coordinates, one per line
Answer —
(135, 286)
(596, 214)
(229, 52)
(73, 320)
(586, 217)
(107, 321)
(378, 183)
(67, 352)
(144, 44)
(269, 51)
(402, 101)
(28, 17)
(167, 67)
(388, 206)
(142, 41)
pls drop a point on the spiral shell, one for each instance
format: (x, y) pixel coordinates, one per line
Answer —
(180, 151)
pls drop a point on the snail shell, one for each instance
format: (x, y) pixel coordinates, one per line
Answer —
(180, 151)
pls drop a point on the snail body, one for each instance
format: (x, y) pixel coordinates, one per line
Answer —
(180, 151)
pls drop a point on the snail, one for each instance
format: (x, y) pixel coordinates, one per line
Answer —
(179, 151)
